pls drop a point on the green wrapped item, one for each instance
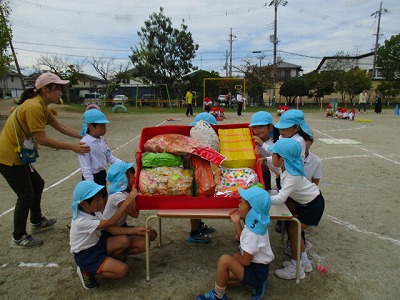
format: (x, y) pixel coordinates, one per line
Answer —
(153, 160)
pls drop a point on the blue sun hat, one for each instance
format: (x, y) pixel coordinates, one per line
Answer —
(290, 150)
(291, 118)
(261, 118)
(116, 175)
(92, 116)
(206, 117)
(257, 219)
(83, 190)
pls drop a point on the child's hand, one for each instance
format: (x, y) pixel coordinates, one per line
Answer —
(235, 217)
(131, 197)
(258, 141)
(261, 160)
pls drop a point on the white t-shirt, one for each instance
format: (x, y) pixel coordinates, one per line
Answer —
(257, 245)
(313, 166)
(112, 206)
(299, 188)
(98, 157)
(83, 233)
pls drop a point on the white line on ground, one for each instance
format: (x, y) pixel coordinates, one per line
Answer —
(354, 228)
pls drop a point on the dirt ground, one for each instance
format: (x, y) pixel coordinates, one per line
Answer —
(358, 239)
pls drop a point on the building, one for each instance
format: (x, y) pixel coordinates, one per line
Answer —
(11, 85)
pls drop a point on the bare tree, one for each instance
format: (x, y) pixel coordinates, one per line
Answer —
(104, 66)
(56, 64)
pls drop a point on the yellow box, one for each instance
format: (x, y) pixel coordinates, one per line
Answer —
(237, 145)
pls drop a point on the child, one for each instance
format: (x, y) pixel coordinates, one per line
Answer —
(251, 265)
(307, 201)
(121, 176)
(94, 250)
(94, 163)
(264, 135)
(329, 110)
(312, 163)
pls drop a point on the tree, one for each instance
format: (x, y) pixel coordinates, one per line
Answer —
(389, 89)
(293, 87)
(388, 58)
(320, 84)
(164, 53)
(355, 81)
(104, 66)
(5, 37)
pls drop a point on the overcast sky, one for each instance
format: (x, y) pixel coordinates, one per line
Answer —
(307, 30)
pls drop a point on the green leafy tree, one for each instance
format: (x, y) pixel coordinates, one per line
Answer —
(164, 53)
(320, 84)
(389, 90)
(355, 81)
(5, 37)
(293, 87)
(388, 58)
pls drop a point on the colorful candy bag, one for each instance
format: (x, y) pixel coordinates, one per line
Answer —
(230, 180)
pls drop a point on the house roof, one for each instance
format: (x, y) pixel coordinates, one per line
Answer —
(325, 58)
(285, 65)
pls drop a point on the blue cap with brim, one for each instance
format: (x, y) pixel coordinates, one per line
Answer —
(116, 175)
(261, 118)
(206, 117)
(291, 118)
(290, 150)
(92, 116)
(84, 190)
(258, 218)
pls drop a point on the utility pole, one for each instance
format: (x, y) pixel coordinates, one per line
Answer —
(230, 52)
(3, 19)
(377, 13)
(276, 3)
(226, 64)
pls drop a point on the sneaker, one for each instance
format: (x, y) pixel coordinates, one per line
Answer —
(307, 266)
(288, 249)
(289, 272)
(43, 224)
(259, 293)
(211, 295)
(204, 228)
(27, 241)
(198, 237)
(88, 280)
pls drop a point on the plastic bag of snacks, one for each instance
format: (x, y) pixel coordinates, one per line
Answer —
(230, 180)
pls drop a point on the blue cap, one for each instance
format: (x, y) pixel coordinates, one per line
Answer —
(290, 150)
(116, 175)
(291, 118)
(92, 116)
(83, 190)
(206, 117)
(261, 118)
(257, 219)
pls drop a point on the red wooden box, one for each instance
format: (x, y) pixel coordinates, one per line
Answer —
(188, 202)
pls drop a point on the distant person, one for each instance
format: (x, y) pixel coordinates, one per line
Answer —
(189, 102)
(362, 101)
(378, 102)
(239, 99)
(250, 266)
(207, 104)
(27, 125)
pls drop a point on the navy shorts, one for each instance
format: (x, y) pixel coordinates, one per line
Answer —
(90, 260)
(311, 213)
(255, 275)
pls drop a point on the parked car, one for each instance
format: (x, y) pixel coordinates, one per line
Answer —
(120, 99)
(221, 100)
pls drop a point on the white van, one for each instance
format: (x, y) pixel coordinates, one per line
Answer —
(93, 98)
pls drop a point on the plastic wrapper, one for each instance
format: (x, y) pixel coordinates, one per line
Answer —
(205, 134)
(179, 144)
(152, 160)
(230, 180)
(204, 176)
(166, 181)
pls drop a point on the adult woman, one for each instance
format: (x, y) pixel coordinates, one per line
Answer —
(27, 124)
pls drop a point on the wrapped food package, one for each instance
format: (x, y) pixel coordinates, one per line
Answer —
(230, 180)
(204, 176)
(237, 145)
(179, 144)
(152, 160)
(166, 181)
(205, 134)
